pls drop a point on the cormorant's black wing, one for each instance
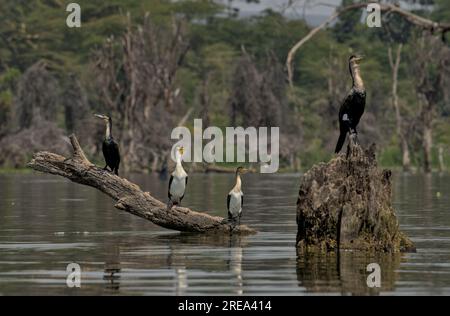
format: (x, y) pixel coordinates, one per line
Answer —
(170, 183)
(340, 142)
(230, 216)
(184, 188)
(242, 201)
(345, 109)
(105, 150)
(346, 105)
(116, 150)
(111, 153)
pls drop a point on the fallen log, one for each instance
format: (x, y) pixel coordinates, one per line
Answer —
(129, 196)
(346, 204)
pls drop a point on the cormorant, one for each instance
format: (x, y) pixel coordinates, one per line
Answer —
(235, 199)
(110, 147)
(353, 106)
(178, 180)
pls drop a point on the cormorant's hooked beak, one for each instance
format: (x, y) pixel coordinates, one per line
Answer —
(100, 116)
(243, 170)
(358, 58)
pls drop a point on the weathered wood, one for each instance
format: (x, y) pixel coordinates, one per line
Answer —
(346, 204)
(129, 196)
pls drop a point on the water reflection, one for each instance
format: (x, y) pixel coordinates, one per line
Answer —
(235, 263)
(345, 272)
(112, 269)
(47, 222)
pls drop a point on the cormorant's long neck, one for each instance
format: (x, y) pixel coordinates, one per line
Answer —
(358, 83)
(179, 166)
(237, 186)
(108, 134)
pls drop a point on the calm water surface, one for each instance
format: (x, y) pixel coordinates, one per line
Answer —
(48, 222)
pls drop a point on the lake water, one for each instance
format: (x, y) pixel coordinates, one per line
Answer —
(48, 222)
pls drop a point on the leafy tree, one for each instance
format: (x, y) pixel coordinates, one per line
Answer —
(347, 22)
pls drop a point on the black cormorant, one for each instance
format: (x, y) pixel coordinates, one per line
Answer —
(178, 180)
(110, 147)
(353, 106)
(235, 199)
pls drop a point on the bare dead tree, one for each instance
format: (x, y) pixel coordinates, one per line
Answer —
(75, 102)
(38, 96)
(205, 100)
(259, 98)
(395, 64)
(337, 88)
(136, 81)
(16, 148)
(441, 158)
(431, 69)
(423, 23)
(78, 116)
(35, 108)
(257, 95)
(245, 92)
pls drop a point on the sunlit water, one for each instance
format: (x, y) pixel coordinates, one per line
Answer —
(47, 222)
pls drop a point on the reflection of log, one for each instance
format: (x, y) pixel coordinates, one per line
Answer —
(128, 195)
(346, 204)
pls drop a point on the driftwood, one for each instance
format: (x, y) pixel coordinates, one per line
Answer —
(346, 204)
(129, 196)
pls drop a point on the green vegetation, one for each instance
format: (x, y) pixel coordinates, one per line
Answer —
(219, 43)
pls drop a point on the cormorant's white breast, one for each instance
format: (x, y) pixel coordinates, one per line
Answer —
(178, 180)
(235, 199)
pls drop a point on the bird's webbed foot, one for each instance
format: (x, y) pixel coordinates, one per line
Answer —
(353, 137)
(353, 140)
(232, 222)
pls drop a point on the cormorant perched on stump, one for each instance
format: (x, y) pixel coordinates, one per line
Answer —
(235, 199)
(178, 180)
(353, 106)
(110, 147)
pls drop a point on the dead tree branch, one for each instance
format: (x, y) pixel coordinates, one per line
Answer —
(417, 20)
(129, 196)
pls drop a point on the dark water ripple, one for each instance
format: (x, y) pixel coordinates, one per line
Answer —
(47, 223)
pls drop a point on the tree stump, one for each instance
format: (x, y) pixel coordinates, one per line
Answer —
(129, 196)
(346, 204)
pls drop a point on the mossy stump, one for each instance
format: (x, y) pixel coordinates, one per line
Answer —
(346, 204)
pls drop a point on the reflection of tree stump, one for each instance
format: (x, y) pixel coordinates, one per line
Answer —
(346, 272)
(346, 203)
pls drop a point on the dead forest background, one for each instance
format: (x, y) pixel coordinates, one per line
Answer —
(153, 65)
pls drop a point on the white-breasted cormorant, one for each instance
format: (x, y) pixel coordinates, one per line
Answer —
(110, 147)
(235, 199)
(178, 180)
(353, 106)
